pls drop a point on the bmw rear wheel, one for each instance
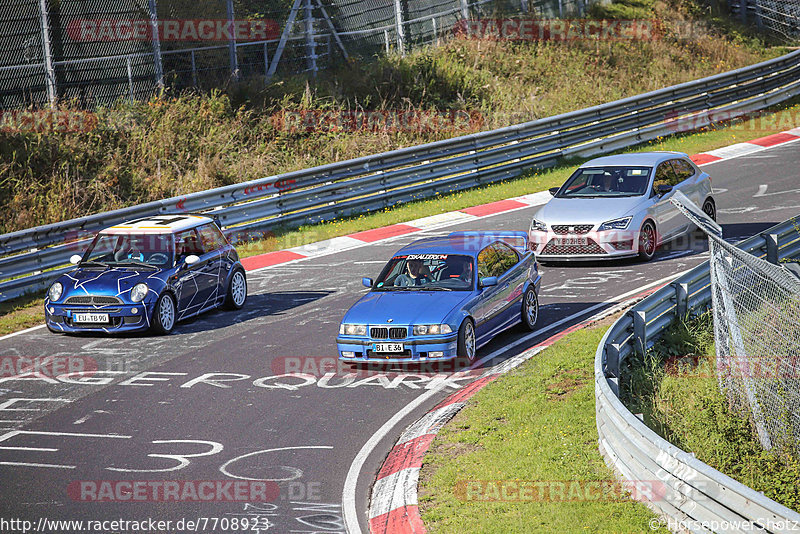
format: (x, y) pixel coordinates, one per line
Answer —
(164, 314)
(647, 241)
(530, 308)
(237, 291)
(466, 341)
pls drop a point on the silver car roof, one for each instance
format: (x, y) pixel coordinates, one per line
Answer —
(644, 159)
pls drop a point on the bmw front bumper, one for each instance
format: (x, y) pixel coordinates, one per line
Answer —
(358, 349)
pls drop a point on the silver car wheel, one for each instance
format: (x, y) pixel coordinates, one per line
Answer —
(531, 307)
(166, 313)
(469, 340)
(238, 288)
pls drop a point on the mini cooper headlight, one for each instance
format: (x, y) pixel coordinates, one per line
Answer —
(55, 291)
(616, 224)
(138, 292)
(353, 329)
(431, 329)
(538, 226)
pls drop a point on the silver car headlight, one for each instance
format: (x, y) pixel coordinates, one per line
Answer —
(55, 292)
(616, 224)
(139, 292)
(353, 329)
(431, 329)
(538, 226)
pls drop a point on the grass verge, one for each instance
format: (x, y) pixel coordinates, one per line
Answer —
(683, 403)
(537, 423)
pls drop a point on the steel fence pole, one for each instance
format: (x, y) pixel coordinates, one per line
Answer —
(49, 74)
(464, 9)
(311, 45)
(232, 42)
(130, 76)
(159, 68)
(284, 37)
(194, 70)
(398, 26)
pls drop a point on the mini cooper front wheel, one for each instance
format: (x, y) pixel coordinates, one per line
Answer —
(164, 314)
(237, 290)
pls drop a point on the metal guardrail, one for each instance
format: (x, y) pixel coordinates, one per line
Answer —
(381, 180)
(695, 492)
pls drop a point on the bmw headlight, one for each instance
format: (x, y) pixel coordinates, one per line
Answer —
(138, 292)
(538, 226)
(616, 224)
(431, 329)
(55, 291)
(353, 329)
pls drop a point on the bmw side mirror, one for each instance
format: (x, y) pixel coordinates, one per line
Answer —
(489, 281)
(75, 259)
(663, 189)
(191, 259)
(554, 190)
(366, 282)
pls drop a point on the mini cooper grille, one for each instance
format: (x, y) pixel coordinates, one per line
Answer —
(571, 228)
(382, 332)
(590, 248)
(95, 300)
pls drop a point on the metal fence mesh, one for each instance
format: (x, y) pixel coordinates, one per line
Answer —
(778, 17)
(44, 41)
(756, 306)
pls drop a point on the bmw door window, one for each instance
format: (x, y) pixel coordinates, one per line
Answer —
(496, 259)
(613, 181)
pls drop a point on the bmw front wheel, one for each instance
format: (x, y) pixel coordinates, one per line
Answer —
(466, 341)
(530, 308)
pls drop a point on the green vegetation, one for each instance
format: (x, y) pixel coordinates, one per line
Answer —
(180, 143)
(537, 423)
(682, 402)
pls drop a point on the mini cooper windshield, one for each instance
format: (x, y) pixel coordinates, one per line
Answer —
(593, 182)
(130, 250)
(427, 272)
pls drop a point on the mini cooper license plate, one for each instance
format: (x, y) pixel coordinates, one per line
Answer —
(388, 347)
(90, 317)
(572, 241)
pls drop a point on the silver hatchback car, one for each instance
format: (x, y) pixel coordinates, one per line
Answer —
(618, 206)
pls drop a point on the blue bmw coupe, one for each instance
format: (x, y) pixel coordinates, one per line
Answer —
(147, 275)
(443, 298)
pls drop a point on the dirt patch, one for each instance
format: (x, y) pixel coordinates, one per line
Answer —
(566, 383)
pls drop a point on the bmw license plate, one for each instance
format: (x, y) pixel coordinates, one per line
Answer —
(571, 241)
(90, 317)
(387, 347)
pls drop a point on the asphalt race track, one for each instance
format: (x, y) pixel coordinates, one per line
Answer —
(206, 403)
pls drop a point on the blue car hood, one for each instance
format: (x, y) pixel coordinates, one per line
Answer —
(108, 282)
(405, 307)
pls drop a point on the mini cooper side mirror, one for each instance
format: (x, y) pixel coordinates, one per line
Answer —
(489, 281)
(366, 282)
(192, 259)
(75, 259)
(554, 190)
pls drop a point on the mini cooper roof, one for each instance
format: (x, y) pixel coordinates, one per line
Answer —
(158, 224)
(643, 159)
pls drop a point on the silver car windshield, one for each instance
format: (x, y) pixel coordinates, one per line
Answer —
(613, 181)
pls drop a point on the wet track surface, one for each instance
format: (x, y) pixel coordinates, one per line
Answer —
(207, 403)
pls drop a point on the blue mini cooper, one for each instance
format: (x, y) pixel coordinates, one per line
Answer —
(442, 298)
(147, 274)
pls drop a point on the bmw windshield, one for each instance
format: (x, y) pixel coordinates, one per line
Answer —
(594, 182)
(426, 272)
(130, 250)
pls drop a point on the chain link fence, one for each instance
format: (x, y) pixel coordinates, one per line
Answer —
(781, 18)
(756, 306)
(98, 52)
